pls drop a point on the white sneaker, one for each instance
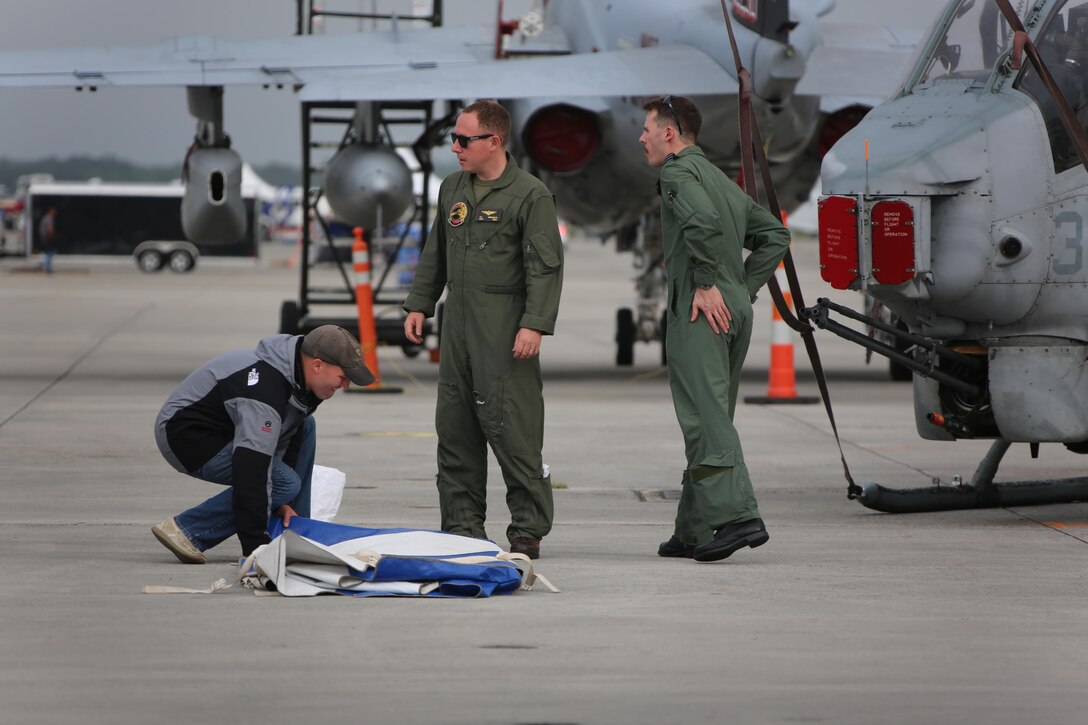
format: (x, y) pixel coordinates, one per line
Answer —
(174, 539)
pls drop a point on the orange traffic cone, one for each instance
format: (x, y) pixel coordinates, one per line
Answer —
(368, 330)
(782, 383)
(296, 254)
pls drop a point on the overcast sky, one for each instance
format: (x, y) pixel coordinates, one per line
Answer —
(154, 126)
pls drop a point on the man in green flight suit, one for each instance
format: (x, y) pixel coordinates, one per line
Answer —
(706, 220)
(495, 247)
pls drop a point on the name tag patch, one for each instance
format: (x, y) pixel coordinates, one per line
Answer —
(489, 215)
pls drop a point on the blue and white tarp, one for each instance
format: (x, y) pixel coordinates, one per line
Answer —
(314, 557)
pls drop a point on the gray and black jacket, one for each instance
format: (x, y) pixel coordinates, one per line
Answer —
(254, 400)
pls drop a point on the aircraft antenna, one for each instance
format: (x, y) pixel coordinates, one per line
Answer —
(866, 168)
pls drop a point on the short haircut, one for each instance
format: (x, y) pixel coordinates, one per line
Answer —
(492, 117)
(683, 111)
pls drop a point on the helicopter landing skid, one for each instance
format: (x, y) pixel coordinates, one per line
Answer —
(981, 492)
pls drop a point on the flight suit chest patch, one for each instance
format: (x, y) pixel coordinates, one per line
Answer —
(489, 215)
(458, 214)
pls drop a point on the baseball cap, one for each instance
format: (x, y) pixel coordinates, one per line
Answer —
(337, 346)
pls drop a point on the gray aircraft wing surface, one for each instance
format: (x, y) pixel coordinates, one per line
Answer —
(200, 60)
(435, 63)
(642, 71)
(857, 64)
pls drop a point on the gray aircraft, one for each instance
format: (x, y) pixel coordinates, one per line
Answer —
(573, 74)
(960, 204)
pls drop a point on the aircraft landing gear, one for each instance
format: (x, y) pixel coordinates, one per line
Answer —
(900, 373)
(289, 318)
(648, 324)
(625, 337)
(664, 329)
(981, 492)
(877, 311)
(647, 329)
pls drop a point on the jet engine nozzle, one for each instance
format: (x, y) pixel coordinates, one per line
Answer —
(562, 138)
(368, 183)
(212, 210)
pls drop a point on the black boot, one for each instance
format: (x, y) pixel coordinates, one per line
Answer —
(676, 548)
(731, 537)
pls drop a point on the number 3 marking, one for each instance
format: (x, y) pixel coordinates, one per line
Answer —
(1072, 241)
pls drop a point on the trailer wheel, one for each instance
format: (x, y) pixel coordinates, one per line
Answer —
(289, 318)
(181, 261)
(150, 260)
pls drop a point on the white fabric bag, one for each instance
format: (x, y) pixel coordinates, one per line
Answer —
(326, 492)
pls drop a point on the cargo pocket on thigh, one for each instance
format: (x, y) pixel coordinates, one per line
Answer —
(523, 417)
(446, 420)
(714, 463)
(489, 411)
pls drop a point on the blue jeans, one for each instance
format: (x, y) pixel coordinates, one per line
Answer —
(212, 522)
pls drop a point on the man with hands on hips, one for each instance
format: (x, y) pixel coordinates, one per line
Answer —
(706, 223)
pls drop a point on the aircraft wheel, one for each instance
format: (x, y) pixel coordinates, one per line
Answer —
(181, 261)
(664, 330)
(625, 336)
(150, 260)
(289, 318)
(439, 320)
(900, 373)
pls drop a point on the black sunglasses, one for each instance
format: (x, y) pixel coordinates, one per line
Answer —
(466, 140)
(667, 101)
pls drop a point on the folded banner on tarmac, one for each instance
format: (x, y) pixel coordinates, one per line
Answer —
(315, 557)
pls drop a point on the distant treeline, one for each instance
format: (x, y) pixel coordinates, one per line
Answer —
(81, 168)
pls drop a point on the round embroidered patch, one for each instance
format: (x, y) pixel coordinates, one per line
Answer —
(458, 214)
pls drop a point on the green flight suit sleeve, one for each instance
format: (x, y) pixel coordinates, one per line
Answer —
(768, 241)
(430, 277)
(543, 260)
(701, 226)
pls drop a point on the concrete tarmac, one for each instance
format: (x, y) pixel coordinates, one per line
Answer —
(845, 616)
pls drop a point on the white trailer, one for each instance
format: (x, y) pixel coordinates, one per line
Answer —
(142, 220)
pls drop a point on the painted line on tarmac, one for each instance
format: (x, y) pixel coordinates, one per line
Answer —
(786, 411)
(407, 376)
(80, 359)
(1055, 526)
(615, 391)
(395, 434)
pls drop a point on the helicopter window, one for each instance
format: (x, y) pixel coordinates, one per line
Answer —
(976, 36)
(1063, 46)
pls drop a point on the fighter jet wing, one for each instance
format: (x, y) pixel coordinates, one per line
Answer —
(635, 72)
(857, 64)
(389, 65)
(198, 60)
